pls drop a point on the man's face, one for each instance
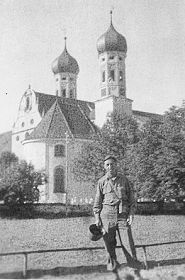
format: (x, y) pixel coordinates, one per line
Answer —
(110, 167)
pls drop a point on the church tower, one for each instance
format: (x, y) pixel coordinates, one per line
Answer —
(65, 69)
(112, 49)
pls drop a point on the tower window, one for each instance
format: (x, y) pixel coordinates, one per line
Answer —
(57, 92)
(111, 57)
(122, 92)
(22, 124)
(63, 78)
(103, 92)
(56, 79)
(121, 75)
(17, 138)
(59, 151)
(59, 180)
(71, 93)
(64, 92)
(120, 58)
(103, 59)
(103, 76)
(112, 75)
(32, 121)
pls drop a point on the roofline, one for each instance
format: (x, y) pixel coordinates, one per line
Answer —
(142, 112)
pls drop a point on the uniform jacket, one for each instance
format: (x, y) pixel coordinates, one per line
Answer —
(115, 191)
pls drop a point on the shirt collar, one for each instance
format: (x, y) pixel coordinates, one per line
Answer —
(111, 178)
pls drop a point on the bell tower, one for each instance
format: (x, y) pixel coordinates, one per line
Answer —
(65, 69)
(112, 50)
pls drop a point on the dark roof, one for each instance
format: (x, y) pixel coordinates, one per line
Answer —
(65, 63)
(63, 117)
(6, 141)
(45, 101)
(111, 40)
(146, 114)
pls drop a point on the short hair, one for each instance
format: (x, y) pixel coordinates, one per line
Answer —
(110, 157)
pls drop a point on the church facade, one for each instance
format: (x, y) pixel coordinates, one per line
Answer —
(50, 129)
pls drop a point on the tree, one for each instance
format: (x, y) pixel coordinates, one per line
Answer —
(153, 157)
(7, 160)
(158, 155)
(21, 182)
(119, 132)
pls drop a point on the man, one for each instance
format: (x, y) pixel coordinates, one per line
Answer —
(114, 199)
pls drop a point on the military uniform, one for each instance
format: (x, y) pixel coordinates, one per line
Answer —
(114, 197)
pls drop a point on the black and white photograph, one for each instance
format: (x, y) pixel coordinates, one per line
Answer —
(92, 139)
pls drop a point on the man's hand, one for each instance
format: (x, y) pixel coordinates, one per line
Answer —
(98, 221)
(130, 219)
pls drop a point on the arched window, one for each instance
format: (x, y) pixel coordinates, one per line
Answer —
(64, 92)
(103, 76)
(111, 75)
(121, 75)
(59, 180)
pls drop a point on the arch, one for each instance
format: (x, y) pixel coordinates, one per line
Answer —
(59, 180)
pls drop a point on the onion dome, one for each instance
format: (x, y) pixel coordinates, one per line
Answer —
(111, 40)
(65, 63)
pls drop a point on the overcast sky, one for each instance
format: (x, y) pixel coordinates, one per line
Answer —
(32, 33)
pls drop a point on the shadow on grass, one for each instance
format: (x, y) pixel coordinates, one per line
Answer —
(56, 272)
(62, 271)
(152, 264)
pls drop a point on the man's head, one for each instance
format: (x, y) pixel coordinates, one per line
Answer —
(110, 165)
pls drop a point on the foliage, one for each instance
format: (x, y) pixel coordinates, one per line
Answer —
(153, 156)
(158, 160)
(119, 132)
(7, 159)
(20, 183)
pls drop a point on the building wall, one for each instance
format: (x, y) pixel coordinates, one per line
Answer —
(75, 192)
(103, 107)
(123, 105)
(27, 119)
(35, 153)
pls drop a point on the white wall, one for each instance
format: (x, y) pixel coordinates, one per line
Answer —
(35, 152)
(102, 108)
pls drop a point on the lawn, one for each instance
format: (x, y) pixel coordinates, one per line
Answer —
(33, 234)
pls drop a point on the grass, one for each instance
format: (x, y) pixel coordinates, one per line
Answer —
(34, 234)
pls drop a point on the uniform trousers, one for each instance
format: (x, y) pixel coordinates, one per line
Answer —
(109, 223)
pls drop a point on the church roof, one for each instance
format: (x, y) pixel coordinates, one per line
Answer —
(65, 63)
(111, 40)
(146, 114)
(62, 118)
(45, 101)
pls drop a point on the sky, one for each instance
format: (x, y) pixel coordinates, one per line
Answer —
(32, 36)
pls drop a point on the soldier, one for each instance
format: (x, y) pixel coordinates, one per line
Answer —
(114, 199)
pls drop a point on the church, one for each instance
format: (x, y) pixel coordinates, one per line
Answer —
(50, 130)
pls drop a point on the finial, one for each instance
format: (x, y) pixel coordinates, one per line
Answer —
(65, 38)
(29, 87)
(111, 12)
